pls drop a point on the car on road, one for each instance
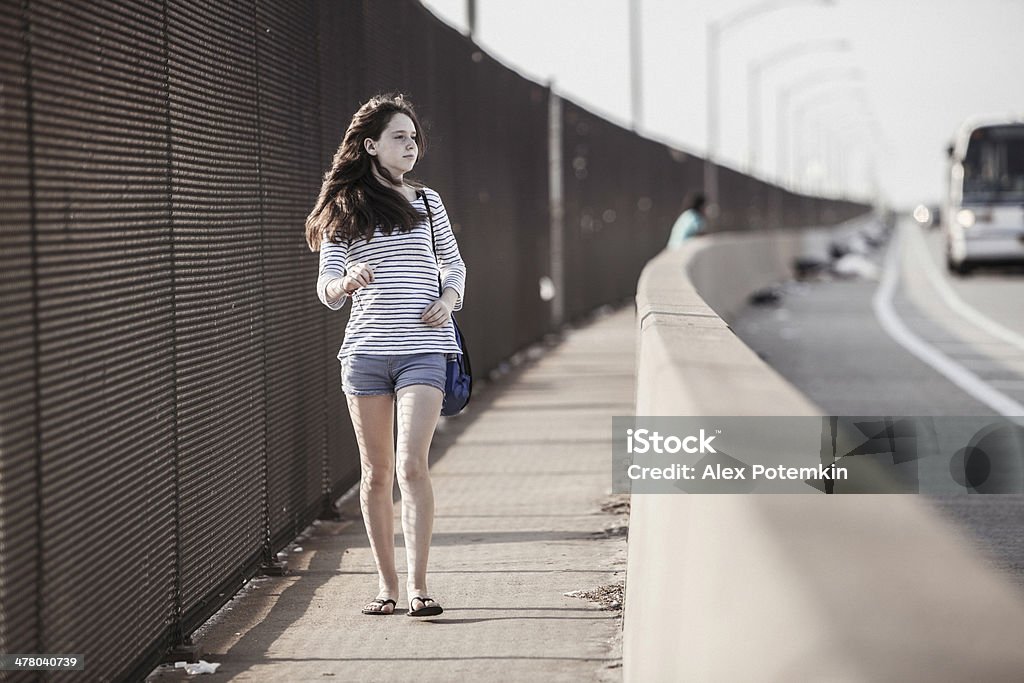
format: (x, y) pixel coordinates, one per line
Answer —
(928, 216)
(983, 215)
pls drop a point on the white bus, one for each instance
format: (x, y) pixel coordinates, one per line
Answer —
(983, 216)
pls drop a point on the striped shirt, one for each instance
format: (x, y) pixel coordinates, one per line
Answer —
(385, 317)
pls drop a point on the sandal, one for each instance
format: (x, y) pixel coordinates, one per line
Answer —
(426, 610)
(380, 610)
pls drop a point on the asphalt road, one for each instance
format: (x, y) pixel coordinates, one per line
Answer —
(826, 338)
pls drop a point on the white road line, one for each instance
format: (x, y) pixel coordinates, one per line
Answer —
(957, 304)
(953, 371)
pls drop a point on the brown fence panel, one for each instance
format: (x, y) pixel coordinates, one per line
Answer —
(20, 503)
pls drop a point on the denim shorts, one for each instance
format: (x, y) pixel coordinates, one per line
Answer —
(372, 375)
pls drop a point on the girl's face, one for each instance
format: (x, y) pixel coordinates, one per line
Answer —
(396, 148)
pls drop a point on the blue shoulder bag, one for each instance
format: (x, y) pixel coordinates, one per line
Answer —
(458, 381)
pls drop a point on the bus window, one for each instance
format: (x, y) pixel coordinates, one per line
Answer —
(994, 165)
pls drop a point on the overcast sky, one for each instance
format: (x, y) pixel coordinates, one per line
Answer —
(926, 65)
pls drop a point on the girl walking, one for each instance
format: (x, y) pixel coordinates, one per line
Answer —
(384, 241)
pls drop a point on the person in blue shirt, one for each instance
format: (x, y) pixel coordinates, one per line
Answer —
(690, 222)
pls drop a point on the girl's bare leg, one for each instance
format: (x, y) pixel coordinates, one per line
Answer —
(419, 407)
(373, 421)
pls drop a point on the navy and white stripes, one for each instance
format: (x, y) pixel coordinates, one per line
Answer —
(385, 316)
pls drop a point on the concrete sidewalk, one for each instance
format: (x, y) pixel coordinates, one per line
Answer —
(519, 492)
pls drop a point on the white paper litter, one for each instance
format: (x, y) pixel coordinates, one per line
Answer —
(858, 244)
(855, 265)
(200, 667)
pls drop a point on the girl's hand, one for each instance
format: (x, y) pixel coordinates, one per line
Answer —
(357, 277)
(437, 313)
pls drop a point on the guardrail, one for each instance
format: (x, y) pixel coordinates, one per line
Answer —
(737, 587)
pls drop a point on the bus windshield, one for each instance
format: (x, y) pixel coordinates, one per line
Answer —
(994, 165)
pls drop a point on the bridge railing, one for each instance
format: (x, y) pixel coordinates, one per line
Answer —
(785, 586)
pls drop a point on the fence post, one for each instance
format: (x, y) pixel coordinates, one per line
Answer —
(557, 206)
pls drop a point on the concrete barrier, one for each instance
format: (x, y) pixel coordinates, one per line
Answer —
(786, 587)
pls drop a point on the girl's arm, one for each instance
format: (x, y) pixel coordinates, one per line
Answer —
(332, 271)
(453, 268)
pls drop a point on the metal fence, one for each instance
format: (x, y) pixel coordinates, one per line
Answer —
(172, 414)
(623, 193)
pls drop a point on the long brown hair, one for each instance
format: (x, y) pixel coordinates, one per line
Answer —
(352, 202)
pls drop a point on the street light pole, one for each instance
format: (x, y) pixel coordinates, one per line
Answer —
(710, 169)
(800, 154)
(814, 79)
(865, 127)
(715, 29)
(635, 58)
(471, 17)
(756, 70)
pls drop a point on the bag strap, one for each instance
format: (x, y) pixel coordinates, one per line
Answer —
(433, 244)
(430, 220)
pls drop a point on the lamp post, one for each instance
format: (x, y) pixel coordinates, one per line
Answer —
(471, 17)
(863, 126)
(757, 69)
(715, 30)
(635, 55)
(800, 155)
(862, 117)
(813, 79)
